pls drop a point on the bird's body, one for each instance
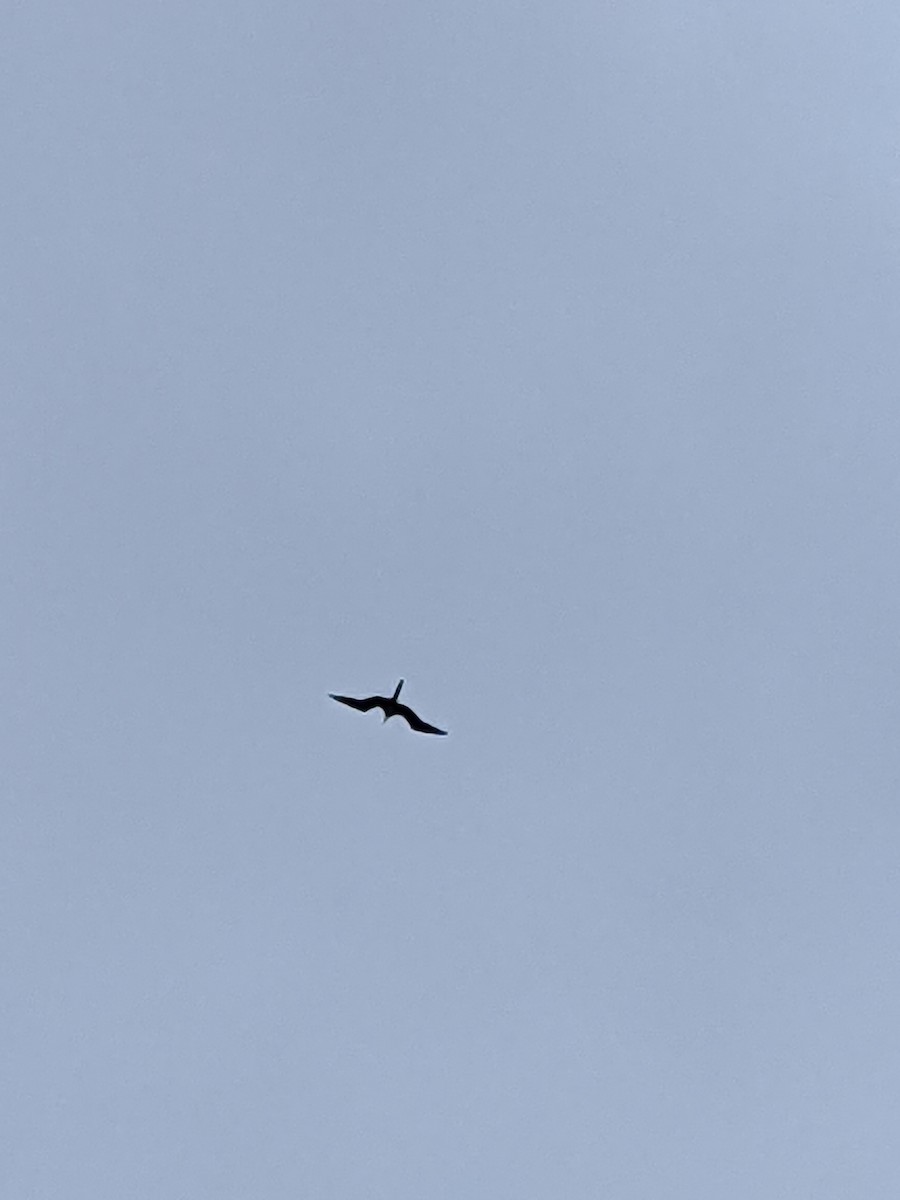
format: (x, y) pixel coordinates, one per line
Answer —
(391, 707)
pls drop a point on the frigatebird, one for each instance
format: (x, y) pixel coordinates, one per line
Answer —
(391, 707)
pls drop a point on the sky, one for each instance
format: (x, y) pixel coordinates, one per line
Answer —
(544, 356)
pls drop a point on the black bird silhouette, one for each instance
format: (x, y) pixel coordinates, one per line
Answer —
(391, 708)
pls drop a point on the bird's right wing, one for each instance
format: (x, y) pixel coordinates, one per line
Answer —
(362, 705)
(415, 722)
(424, 727)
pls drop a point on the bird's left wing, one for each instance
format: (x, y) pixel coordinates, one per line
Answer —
(362, 705)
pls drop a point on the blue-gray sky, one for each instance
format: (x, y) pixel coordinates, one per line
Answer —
(543, 355)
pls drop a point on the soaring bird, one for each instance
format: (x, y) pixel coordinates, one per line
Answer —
(391, 707)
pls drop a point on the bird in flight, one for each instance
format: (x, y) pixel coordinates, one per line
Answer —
(391, 707)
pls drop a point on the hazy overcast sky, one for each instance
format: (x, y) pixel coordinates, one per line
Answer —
(546, 356)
